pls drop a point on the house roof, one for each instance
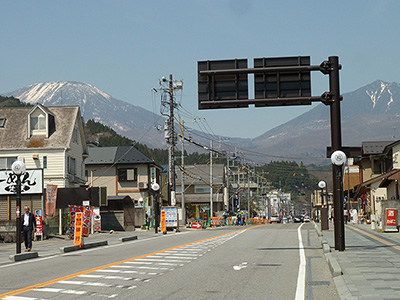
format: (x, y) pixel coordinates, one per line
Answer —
(14, 133)
(116, 155)
(374, 147)
(200, 174)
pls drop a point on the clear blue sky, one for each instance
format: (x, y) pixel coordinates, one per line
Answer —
(125, 47)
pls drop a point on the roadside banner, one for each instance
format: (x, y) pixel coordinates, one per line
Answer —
(39, 222)
(78, 229)
(97, 219)
(391, 219)
(73, 210)
(163, 227)
(87, 218)
(171, 216)
(51, 199)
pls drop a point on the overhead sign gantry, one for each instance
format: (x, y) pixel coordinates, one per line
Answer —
(278, 81)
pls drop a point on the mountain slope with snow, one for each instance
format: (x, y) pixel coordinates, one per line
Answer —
(369, 113)
(128, 120)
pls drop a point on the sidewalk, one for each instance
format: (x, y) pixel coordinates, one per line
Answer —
(368, 268)
(57, 244)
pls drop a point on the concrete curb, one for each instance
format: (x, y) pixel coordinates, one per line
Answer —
(128, 238)
(343, 290)
(67, 249)
(23, 256)
(334, 266)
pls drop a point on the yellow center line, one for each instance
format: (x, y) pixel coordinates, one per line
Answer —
(385, 242)
(67, 277)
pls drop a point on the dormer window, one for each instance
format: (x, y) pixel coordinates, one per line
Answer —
(40, 122)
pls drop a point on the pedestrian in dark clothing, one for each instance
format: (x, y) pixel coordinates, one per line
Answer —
(28, 225)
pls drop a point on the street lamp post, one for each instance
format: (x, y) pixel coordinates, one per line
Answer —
(156, 209)
(324, 209)
(18, 168)
(338, 159)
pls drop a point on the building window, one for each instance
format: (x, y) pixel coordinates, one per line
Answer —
(6, 162)
(38, 122)
(127, 174)
(75, 135)
(44, 162)
(2, 122)
(71, 165)
(202, 189)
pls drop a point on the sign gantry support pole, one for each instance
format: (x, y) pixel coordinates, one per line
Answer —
(336, 140)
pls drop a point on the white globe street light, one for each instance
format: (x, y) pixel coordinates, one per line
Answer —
(338, 158)
(18, 167)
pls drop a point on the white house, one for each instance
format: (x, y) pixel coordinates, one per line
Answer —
(47, 138)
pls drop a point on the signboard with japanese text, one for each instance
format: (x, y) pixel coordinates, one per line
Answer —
(78, 229)
(391, 219)
(39, 222)
(171, 216)
(87, 220)
(31, 182)
(73, 210)
(163, 227)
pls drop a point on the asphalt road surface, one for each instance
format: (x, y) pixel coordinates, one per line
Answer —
(258, 262)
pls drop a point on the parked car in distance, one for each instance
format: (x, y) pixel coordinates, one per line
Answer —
(306, 219)
(298, 219)
(275, 219)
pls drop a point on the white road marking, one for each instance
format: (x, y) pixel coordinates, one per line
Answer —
(21, 298)
(241, 266)
(301, 277)
(62, 291)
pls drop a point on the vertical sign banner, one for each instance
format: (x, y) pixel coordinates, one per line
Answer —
(73, 210)
(78, 229)
(97, 219)
(87, 217)
(153, 173)
(51, 199)
(163, 225)
(39, 222)
(391, 219)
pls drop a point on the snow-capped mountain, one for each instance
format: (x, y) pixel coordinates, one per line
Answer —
(370, 113)
(128, 120)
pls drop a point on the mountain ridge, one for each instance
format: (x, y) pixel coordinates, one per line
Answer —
(371, 112)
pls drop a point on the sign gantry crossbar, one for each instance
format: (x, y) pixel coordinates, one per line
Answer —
(216, 78)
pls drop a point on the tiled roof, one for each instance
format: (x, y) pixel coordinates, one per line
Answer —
(374, 147)
(116, 155)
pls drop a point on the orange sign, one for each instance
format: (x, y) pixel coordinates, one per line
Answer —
(78, 229)
(163, 225)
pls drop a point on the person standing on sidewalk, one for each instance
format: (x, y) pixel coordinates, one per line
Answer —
(346, 215)
(28, 225)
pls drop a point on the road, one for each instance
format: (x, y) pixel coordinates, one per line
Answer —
(258, 262)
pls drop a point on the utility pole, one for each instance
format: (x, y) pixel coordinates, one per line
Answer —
(248, 193)
(171, 148)
(227, 179)
(183, 180)
(211, 179)
(168, 87)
